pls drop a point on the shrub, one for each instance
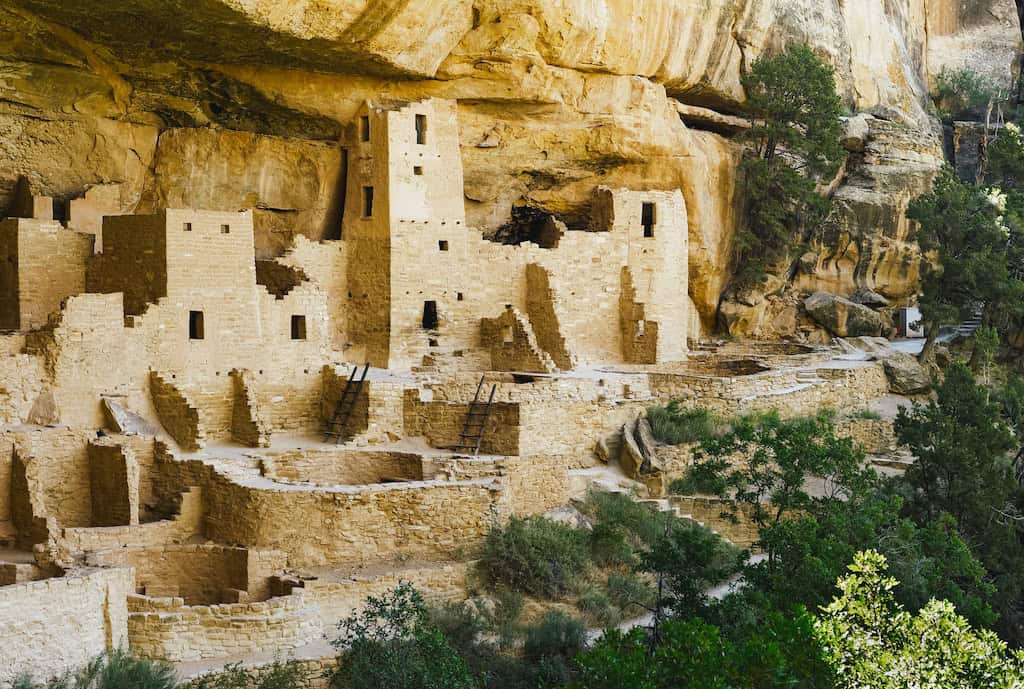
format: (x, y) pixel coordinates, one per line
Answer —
(534, 555)
(962, 93)
(675, 425)
(281, 674)
(118, 670)
(866, 415)
(621, 527)
(393, 643)
(631, 593)
(597, 607)
(556, 635)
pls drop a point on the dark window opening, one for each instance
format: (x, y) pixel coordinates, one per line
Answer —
(364, 128)
(367, 202)
(298, 327)
(432, 342)
(476, 17)
(187, 226)
(421, 129)
(443, 245)
(648, 218)
(417, 170)
(429, 315)
(195, 325)
(225, 229)
(458, 296)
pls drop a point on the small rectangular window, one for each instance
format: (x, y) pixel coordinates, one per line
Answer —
(367, 202)
(421, 129)
(298, 327)
(187, 226)
(647, 218)
(195, 325)
(364, 128)
(429, 315)
(225, 229)
(417, 170)
(458, 296)
(443, 245)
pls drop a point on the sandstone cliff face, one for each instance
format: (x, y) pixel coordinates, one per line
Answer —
(231, 103)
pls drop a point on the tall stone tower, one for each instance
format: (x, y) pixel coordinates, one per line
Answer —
(405, 226)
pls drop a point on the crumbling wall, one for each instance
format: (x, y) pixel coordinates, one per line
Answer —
(133, 261)
(180, 418)
(540, 306)
(249, 423)
(53, 625)
(513, 344)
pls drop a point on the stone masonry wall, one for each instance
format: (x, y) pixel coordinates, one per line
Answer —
(421, 519)
(167, 628)
(58, 624)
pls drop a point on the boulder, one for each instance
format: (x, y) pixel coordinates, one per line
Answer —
(869, 297)
(122, 420)
(841, 316)
(906, 376)
(856, 131)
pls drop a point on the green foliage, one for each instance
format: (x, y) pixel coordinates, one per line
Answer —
(597, 607)
(866, 415)
(630, 593)
(961, 444)
(778, 652)
(963, 94)
(622, 527)
(810, 552)
(556, 634)
(534, 555)
(873, 643)
(964, 240)
(118, 670)
(794, 111)
(782, 454)
(674, 425)
(394, 643)
(986, 344)
(691, 559)
(281, 674)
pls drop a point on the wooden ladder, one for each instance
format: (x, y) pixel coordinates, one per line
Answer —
(346, 403)
(476, 421)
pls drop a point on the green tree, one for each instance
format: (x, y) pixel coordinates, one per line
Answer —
(964, 240)
(393, 643)
(765, 463)
(964, 449)
(780, 652)
(813, 550)
(962, 445)
(871, 642)
(794, 112)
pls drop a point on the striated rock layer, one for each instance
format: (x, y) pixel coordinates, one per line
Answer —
(227, 104)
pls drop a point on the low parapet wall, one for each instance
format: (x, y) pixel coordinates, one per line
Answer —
(793, 392)
(167, 628)
(53, 625)
(316, 526)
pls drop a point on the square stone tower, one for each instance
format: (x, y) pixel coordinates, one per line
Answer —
(405, 225)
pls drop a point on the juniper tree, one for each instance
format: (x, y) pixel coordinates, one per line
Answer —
(794, 141)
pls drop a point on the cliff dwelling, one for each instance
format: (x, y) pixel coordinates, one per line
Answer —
(316, 299)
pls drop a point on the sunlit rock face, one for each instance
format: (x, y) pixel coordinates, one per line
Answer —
(232, 103)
